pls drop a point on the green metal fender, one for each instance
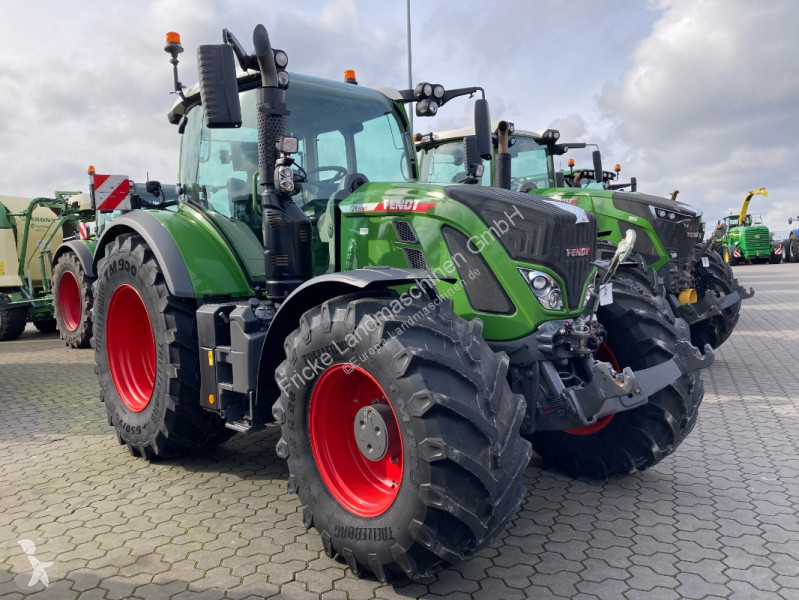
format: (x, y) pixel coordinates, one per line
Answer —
(310, 294)
(196, 258)
(83, 249)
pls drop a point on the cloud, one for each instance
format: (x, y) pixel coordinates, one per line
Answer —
(708, 104)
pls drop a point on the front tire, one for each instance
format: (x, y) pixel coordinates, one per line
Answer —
(450, 474)
(147, 356)
(72, 301)
(12, 323)
(639, 335)
(717, 277)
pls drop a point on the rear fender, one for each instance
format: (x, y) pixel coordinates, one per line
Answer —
(83, 249)
(195, 259)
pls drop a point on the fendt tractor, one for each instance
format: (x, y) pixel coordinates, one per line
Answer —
(744, 239)
(401, 334)
(29, 230)
(699, 288)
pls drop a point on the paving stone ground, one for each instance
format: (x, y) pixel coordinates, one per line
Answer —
(717, 519)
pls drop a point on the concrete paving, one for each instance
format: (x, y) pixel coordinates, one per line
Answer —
(717, 519)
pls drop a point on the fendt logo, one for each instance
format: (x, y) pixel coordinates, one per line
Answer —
(572, 252)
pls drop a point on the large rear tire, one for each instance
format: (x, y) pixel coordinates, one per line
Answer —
(450, 474)
(147, 356)
(12, 323)
(639, 335)
(72, 301)
(717, 277)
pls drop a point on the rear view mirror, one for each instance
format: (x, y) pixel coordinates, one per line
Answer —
(597, 156)
(482, 128)
(218, 87)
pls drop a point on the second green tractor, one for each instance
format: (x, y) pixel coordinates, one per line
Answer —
(692, 279)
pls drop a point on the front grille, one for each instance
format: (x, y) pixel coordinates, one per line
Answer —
(415, 258)
(676, 237)
(484, 292)
(537, 231)
(757, 239)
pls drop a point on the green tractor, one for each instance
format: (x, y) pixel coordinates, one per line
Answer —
(744, 239)
(29, 229)
(406, 337)
(697, 286)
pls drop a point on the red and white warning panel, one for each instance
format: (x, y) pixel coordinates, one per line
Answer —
(87, 230)
(112, 192)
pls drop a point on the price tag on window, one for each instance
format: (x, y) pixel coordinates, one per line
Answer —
(605, 294)
(705, 261)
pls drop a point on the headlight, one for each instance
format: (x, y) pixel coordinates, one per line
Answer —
(544, 288)
(670, 215)
(285, 177)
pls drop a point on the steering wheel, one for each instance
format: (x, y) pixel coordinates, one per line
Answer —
(516, 183)
(340, 173)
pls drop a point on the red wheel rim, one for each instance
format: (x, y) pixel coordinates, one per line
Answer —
(605, 354)
(69, 301)
(130, 347)
(364, 487)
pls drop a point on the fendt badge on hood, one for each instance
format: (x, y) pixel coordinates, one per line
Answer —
(572, 252)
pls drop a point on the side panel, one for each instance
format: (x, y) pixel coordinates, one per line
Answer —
(369, 232)
(9, 263)
(43, 223)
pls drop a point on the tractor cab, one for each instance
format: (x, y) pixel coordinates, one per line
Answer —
(346, 137)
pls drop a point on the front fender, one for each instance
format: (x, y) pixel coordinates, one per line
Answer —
(310, 294)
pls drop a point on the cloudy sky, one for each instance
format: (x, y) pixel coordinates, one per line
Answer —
(696, 95)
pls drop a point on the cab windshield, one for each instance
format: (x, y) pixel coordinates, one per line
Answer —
(529, 165)
(343, 130)
(445, 164)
